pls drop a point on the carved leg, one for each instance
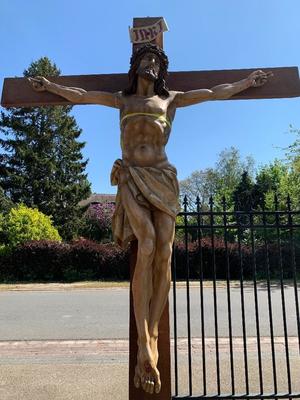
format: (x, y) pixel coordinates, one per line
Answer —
(165, 230)
(146, 373)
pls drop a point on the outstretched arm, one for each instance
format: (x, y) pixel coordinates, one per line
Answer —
(221, 92)
(75, 95)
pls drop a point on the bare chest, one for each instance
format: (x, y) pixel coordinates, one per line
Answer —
(142, 104)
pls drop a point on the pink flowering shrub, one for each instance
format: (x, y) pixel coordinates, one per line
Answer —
(98, 221)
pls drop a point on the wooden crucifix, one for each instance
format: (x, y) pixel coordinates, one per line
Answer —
(284, 84)
(147, 184)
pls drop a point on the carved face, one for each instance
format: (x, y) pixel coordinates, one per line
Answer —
(149, 67)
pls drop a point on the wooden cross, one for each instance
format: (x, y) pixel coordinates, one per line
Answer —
(285, 82)
(18, 93)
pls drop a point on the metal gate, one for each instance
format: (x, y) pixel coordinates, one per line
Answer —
(235, 299)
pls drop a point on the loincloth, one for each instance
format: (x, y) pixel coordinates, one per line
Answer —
(151, 188)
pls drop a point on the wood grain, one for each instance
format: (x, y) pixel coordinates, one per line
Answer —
(285, 83)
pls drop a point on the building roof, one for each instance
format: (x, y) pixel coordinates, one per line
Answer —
(98, 198)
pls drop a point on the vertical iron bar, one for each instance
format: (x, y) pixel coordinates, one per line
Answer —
(185, 202)
(228, 295)
(267, 263)
(283, 296)
(215, 294)
(293, 257)
(256, 303)
(243, 305)
(199, 236)
(175, 322)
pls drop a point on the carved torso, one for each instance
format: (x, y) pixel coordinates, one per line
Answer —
(144, 137)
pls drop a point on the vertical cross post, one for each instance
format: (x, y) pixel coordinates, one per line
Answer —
(164, 362)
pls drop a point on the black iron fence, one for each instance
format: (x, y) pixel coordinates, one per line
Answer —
(236, 273)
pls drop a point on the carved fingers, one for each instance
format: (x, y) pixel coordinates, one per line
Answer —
(259, 78)
(39, 83)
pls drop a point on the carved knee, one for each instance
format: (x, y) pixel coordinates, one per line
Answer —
(164, 253)
(147, 246)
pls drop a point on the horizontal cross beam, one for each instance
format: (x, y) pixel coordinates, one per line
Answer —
(285, 83)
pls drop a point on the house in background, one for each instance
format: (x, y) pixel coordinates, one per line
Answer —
(97, 198)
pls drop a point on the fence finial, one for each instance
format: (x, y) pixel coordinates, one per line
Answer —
(185, 203)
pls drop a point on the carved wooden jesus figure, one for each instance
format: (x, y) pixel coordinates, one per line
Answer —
(147, 198)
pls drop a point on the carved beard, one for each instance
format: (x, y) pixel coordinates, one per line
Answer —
(147, 73)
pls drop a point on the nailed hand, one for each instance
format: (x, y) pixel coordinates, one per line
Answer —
(39, 83)
(259, 78)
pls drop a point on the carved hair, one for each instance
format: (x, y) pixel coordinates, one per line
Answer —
(160, 87)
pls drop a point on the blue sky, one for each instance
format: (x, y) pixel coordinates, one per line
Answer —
(89, 37)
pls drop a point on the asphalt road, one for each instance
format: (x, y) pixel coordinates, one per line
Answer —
(103, 313)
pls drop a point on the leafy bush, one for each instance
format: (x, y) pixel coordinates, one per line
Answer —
(5, 202)
(2, 233)
(55, 261)
(98, 220)
(36, 261)
(204, 255)
(235, 259)
(87, 260)
(23, 223)
(92, 260)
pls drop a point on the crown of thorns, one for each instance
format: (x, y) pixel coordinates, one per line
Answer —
(160, 87)
(150, 48)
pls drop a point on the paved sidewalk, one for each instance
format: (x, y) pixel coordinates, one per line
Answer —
(98, 369)
(110, 351)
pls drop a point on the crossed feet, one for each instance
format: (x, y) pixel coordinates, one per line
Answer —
(146, 372)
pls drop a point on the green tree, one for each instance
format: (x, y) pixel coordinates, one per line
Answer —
(5, 203)
(281, 178)
(202, 183)
(244, 196)
(293, 150)
(42, 164)
(293, 159)
(229, 169)
(270, 176)
(218, 181)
